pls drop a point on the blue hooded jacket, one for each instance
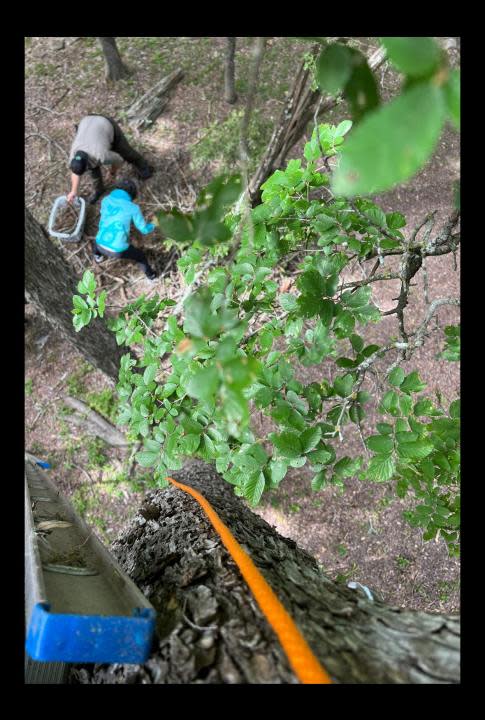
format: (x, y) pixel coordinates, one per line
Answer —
(117, 213)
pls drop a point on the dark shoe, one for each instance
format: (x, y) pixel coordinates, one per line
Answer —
(98, 258)
(146, 172)
(151, 274)
(95, 196)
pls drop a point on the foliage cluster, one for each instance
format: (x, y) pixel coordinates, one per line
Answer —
(195, 382)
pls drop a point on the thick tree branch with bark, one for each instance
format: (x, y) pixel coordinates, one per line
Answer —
(210, 629)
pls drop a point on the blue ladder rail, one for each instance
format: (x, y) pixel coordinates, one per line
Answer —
(80, 605)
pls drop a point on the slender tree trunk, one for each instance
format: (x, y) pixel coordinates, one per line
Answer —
(115, 67)
(298, 111)
(50, 283)
(258, 51)
(229, 88)
(210, 629)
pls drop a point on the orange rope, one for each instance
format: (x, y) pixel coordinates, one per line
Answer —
(302, 660)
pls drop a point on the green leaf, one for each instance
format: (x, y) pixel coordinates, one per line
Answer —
(89, 281)
(264, 397)
(199, 320)
(78, 323)
(312, 283)
(325, 311)
(391, 144)
(149, 374)
(396, 377)
(203, 383)
(334, 68)
(418, 449)
(381, 468)
(318, 481)
(189, 444)
(370, 350)
(412, 383)
(357, 343)
(390, 403)
(343, 128)
(361, 90)
(288, 301)
(415, 56)
(454, 409)
(79, 302)
(384, 428)
(175, 225)
(356, 299)
(401, 427)
(405, 404)
(425, 407)
(102, 303)
(147, 459)
(347, 467)
(277, 470)
(395, 220)
(287, 443)
(380, 443)
(253, 487)
(322, 455)
(343, 385)
(452, 96)
(310, 438)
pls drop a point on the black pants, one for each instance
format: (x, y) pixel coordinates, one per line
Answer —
(122, 147)
(131, 253)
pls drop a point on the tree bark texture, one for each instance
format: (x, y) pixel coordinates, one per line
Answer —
(229, 79)
(298, 111)
(50, 283)
(210, 629)
(143, 113)
(115, 67)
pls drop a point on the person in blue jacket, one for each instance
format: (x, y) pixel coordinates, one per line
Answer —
(118, 211)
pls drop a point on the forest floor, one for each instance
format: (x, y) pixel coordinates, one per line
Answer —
(357, 535)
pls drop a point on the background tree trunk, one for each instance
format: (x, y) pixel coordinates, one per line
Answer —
(210, 629)
(229, 81)
(115, 67)
(50, 283)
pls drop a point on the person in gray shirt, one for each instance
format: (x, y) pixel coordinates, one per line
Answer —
(100, 141)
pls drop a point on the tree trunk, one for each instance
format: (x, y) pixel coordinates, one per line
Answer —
(115, 67)
(229, 88)
(210, 629)
(144, 111)
(50, 283)
(298, 111)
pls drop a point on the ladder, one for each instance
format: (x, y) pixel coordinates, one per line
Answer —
(80, 606)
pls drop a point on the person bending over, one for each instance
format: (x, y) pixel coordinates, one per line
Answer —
(100, 141)
(118, 211)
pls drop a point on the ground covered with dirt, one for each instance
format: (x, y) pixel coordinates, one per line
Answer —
(359, 534)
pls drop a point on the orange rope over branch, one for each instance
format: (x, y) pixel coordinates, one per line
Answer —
(302, 660)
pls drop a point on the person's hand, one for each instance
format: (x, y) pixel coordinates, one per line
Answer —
(71, 197)
(154, 220)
